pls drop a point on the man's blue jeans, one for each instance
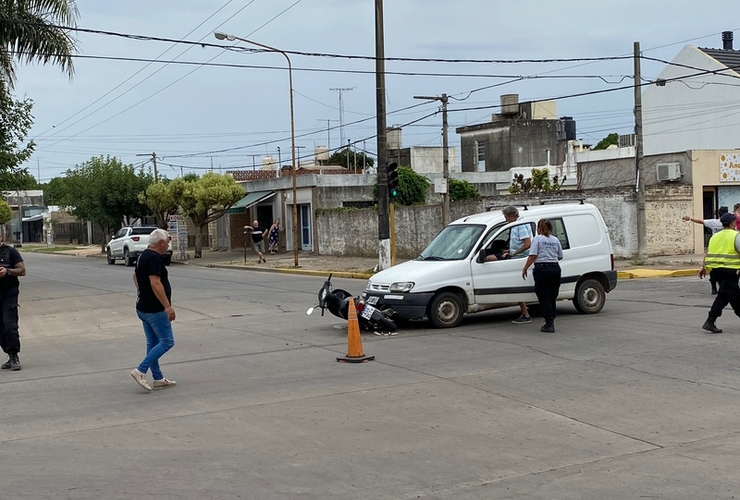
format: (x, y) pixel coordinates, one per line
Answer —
(159, 340)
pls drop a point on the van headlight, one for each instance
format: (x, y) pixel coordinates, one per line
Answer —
(403, 286)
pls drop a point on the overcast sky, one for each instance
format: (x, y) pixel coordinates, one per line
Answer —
(195, 116)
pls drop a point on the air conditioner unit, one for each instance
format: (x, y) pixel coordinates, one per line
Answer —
(668, 171)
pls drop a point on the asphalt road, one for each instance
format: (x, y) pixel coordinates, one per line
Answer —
(634, 402)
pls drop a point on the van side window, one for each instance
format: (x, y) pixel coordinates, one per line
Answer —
(558, 230)
(497, 245)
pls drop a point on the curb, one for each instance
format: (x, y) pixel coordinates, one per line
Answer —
(303, 272)
(626, 274)
(655, 273)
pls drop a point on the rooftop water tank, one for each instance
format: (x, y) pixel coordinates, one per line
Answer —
(321, 154)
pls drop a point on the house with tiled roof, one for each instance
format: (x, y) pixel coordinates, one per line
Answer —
(693, 103)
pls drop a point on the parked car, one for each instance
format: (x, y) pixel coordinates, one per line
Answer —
(451, 276)
(129, 242)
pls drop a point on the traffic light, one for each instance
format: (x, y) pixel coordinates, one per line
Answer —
(391, 172)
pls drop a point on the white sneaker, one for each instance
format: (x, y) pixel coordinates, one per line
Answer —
(140, 379)
(164, 384)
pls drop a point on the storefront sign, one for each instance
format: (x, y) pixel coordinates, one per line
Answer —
(729, 167)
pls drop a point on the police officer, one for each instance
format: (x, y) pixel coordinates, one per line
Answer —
(722, 261)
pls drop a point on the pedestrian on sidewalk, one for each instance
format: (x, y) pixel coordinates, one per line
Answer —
(258, 240)
(545, 253)
(722, 261)
(11, 268)
(715, 226)
(274, 236)
(154, 308)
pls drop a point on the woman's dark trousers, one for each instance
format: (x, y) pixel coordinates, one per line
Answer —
(547, 287)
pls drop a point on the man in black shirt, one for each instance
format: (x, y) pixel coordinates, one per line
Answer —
(11, 268)
(258, 239)
(154, 308)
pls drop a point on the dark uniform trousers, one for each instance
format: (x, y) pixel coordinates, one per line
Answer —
(547, 287)
(728, 292)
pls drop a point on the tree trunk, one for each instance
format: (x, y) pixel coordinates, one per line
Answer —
(199, 243)
(106, 237)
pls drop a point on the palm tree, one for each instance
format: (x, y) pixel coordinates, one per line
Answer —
(34, 30)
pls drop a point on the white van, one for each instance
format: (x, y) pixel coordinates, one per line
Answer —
(451, 277)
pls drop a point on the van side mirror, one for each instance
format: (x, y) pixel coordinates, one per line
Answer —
(481, 256)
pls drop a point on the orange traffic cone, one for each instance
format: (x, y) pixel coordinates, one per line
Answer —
(354, 342)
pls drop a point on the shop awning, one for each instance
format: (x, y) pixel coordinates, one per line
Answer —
(253, 198)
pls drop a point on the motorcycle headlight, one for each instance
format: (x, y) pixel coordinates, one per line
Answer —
(404, 286)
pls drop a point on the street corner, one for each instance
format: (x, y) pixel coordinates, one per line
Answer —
(638, 273)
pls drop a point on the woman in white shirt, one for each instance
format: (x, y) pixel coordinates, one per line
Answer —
(544, 253)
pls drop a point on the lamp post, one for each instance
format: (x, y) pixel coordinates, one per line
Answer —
(223, 36)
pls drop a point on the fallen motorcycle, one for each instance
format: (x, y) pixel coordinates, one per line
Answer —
(337, 302)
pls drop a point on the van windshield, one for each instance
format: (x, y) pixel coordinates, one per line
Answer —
(453, 243)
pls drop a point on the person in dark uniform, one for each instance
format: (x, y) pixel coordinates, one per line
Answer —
(722, 262)
(545, 253)
(11, 268)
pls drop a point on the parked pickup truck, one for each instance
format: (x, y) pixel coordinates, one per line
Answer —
(129, 242)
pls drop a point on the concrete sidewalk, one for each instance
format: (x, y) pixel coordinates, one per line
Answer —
(362, 267)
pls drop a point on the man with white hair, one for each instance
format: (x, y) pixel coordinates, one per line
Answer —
(154, 308)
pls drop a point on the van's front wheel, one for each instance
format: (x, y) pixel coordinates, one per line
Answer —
(590, 297)
(446, 310)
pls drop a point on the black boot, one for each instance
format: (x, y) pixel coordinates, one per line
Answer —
(710, 326)
(7, 364)
(548, 327)
(15, 363)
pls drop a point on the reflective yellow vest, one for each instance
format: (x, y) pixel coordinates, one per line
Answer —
(721, 252)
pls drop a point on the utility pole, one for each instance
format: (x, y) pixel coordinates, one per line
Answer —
(341, 91)
(328, 131)
(445, 157)
(384, 253)
(639, 180)
(154, 163)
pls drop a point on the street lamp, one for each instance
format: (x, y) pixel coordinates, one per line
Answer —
(223, 36)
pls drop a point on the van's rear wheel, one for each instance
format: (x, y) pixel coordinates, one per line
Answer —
(446, 310)
(590, 297)
(127, 260)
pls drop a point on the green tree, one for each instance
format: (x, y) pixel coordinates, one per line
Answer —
(105, 191)
(205, 200)
(462, 190)
(356, 159)
(538, 183)
(32, 31)
(161, 201)
(20, 179)
(15, 122)
(607, 141)
(56, 192)
(6, 214)
(412, 187)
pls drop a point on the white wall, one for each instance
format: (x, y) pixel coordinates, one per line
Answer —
(695, 113)
(430, 159)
